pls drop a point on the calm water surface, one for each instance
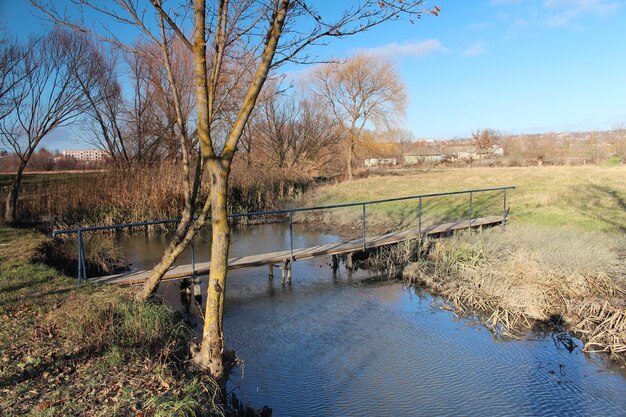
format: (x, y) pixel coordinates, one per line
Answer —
(344, 344)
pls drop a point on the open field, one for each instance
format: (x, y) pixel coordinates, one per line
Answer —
(590, 198)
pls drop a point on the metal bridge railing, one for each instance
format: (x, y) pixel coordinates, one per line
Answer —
(82, 273)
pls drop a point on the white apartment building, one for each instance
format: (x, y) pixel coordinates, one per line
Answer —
(91, 155)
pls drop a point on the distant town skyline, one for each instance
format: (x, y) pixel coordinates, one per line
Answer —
(518, 66)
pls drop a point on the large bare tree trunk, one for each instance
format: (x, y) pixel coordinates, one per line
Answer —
(210, 354)
(349, 154)
(10, 213)
(179, 243)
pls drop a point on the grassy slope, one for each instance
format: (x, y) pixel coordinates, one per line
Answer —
(586, 197)
(89, 351)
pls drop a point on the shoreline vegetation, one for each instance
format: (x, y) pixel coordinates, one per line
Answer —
(93, 350)
(525, 277)
(559, 261)
(69, 200)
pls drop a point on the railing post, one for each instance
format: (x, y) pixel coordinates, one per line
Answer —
(193, 260)
(504, 210)
(420, 217)
(363, 227)
(291, 235)
(471, 209)
(80, 256)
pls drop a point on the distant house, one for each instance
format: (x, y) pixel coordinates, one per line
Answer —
(89, 155)
(373, 162)
(421, 158)
(470, 152)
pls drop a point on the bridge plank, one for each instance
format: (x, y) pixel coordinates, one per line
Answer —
(202, 268)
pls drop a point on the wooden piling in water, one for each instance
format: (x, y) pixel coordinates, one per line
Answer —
(288, 266)
(349, 264)
(270, 271)
(335, 261)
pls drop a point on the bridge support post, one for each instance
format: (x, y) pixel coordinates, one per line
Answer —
(270, 271)
(349, 264)
(286, 272)
(283, 273)
(335, 263)
(185, 286)
(197, 291)
(288, 266)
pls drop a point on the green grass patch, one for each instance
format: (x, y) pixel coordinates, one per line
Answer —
(614, 161)
(591, 198)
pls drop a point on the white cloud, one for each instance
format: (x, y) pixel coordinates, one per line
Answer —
(568, 10)
(415, 49)
(555, 13)
(477, 48)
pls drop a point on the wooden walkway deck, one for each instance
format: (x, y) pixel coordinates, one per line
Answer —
(202, 268)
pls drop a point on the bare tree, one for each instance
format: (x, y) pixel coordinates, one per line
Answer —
(403, 139)
(105, 105)
(484, 139)
(12, 72)
(47, 97)
(277, 128)
(319, 137)
(365, 89)
(246, 40)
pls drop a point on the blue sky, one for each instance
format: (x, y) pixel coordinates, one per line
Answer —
(513, 65)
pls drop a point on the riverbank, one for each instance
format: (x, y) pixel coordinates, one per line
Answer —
(525, 277)
(91, 351)
(559, 261)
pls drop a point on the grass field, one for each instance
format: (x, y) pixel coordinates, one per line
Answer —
(591, 198)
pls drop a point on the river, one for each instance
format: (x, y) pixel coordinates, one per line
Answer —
(350, 345)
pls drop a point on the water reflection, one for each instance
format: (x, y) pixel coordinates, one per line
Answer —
(338, 343)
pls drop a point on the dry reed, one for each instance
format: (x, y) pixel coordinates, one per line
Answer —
(523, 275)
(122, 196)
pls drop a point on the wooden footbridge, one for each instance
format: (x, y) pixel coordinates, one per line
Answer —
(285, 258)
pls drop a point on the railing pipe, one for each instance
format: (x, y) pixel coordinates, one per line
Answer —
(504, 209)
(193, 260)
(363, 228)
(82, 273)
(284, 211)
(291, 236)
(80, 256)
(420, 217)
(471, 209)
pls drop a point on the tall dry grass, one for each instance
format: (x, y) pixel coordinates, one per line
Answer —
(122, 196)
(524, 275)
